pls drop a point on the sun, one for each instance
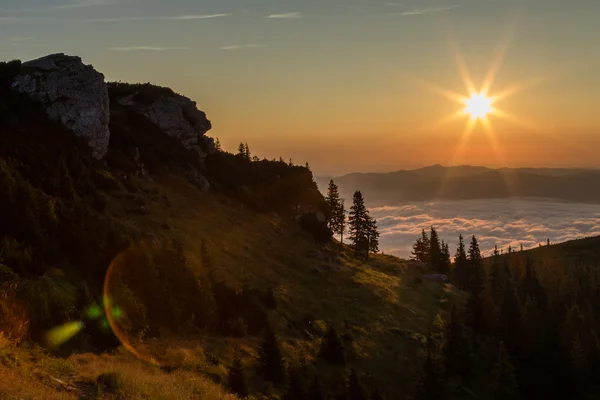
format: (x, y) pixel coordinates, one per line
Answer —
(478, 106)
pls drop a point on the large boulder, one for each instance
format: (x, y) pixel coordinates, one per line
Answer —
(72, 93)
(176, 115)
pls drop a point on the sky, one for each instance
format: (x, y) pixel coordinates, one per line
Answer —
(348, 85)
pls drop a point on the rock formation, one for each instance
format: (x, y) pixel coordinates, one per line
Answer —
(174, 114)
(72, 93)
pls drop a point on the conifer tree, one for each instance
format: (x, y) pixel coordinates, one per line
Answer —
(237, 378)
(270, 358)
(315, 392)
(247, 156)
(420, 250)
(217, 145)
(242, 151)
(333, 205)
(510, 322)
(332, 348)
(461, 266)
(445, 263)
(456, 350)
(475, 288)
(433, 384)
(497, 278)
(435, 250)
(356, 390)
(341, 221)
(372, 236)
(357, 223)
(503, 384)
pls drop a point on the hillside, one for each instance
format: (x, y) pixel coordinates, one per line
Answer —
(467, 182)
(137, 265)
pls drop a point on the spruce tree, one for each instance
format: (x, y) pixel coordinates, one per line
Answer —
(461, 266)
(510, 322)
(357, 223)
(503, 384)
(333, 205)
(217, 145)
(420, 250)
(270, 358)
(372, 236)
(237, 378)
(445, 263)
(341, 221)
(332, 348)
(497, 279)
(476, 286)
(435, 250)
(241, 151)
(247, 156)
(356, 390)
(456, 350)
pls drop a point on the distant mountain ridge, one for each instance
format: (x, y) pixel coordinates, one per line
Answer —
(437, 182)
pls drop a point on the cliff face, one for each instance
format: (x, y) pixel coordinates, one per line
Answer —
(176, 115)
(72, 93)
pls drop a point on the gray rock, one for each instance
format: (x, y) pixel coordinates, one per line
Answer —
(72, 93)
(199, 180)
(174, 114)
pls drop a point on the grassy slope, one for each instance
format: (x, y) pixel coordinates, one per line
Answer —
(378, 303)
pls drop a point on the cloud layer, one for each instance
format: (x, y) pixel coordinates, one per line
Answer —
(494, 222)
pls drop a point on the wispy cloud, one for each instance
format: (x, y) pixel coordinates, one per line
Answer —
(419, 11)
(290, 15)
(162, 18)
(146, 48)
(242, 46)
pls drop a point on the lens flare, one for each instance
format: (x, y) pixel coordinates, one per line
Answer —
(61, 334)
(121, 301)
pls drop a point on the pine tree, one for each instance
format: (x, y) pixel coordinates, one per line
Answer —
(307, 166)
(341, 221)
(357, 222)
(315, 392)
(445, 263)
(333, 205)
(270, 358)
(433, 384)
(242, 151)
(456, 350)
(503, 384)
(291, 163)
(247, 152)
(356, 390)
(510, 322)
(435, 250)
(476, 286)
(497, 278)
(217, 145)
(420, 250)
(461, 265)
(237, 378)
(372, 236)
(332, 348)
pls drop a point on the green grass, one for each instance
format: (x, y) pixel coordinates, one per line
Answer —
(379, 304)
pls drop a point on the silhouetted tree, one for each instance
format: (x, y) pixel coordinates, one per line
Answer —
(247, 156)
(332, 348)
(341, 221)
(420, 250)
(475, 288)
(435, 250)
(358, 223)
(242, 151)
(461, 265)
(218, 145)
(237, 378)
(372, 236)
(333, 206)
(456, 350)
(445, 262)
(510, 322)
(270, 358)
(497, 278)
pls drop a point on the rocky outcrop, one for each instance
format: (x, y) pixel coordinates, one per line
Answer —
(72, 93)
(174, 114)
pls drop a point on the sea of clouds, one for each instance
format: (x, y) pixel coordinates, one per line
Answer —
(502, 222)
